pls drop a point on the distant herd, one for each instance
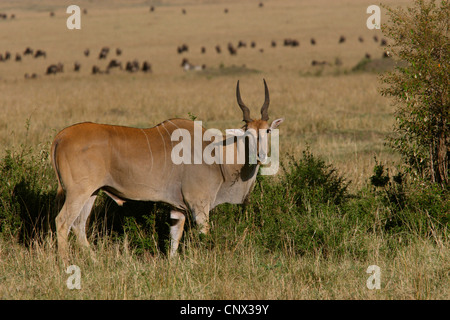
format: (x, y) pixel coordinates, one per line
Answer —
(135, 66)
(131, 66)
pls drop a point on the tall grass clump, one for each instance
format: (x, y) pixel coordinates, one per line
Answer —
(408, 207)
(27, 192)
(300, 212)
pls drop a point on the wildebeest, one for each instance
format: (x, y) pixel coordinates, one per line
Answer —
(218, 50)
(114, 64)
(152, 8)
(241, 44)
(183, 11)
(375, 38)
(232, 50)
(40, 53)
(291, 42)
(341, 39)
(7, 55)
(28, 51)
(318, 63)
(132, 66)
(135, 64)
(203, 50)
(52, 14)
(96, 70)
(86, 52)
(146, 67)
(313, 41)
(183, 48)
(18, 57)
(383, 42)
(103, 53)
(360, 39)
(55, 68)
(76, 66)
(138, 164)
(367, 56)
(273, 43)
(118, 51)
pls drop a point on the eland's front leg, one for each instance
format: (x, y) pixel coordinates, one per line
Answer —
(176, 230)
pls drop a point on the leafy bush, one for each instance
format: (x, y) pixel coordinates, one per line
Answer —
(410, 206)
(312, 180)
(393, 193)
(26, 194)
(301, 212)
(421, 87)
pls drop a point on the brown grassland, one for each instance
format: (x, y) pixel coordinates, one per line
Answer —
(338, 113)
(341, 116)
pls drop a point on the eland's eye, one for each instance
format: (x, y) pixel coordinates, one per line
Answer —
(269, 130)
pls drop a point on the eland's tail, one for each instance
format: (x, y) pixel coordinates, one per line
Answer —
(60, 194)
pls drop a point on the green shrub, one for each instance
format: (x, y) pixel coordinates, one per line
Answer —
(419, 37)
(311, 180)
(27, 192)
(300, 212)
(393, 193)
(409, 206)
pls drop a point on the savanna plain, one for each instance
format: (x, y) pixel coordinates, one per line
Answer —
(295, 239)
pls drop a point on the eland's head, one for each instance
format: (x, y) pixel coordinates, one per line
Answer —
(259, 129)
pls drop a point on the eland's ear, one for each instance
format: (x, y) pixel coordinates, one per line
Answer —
(276, 123)
(235, 132)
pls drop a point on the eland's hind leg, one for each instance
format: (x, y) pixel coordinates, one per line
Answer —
(79, 225)
(70, 211)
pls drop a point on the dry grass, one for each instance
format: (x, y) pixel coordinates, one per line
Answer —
(419, 271)
(341, 116)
